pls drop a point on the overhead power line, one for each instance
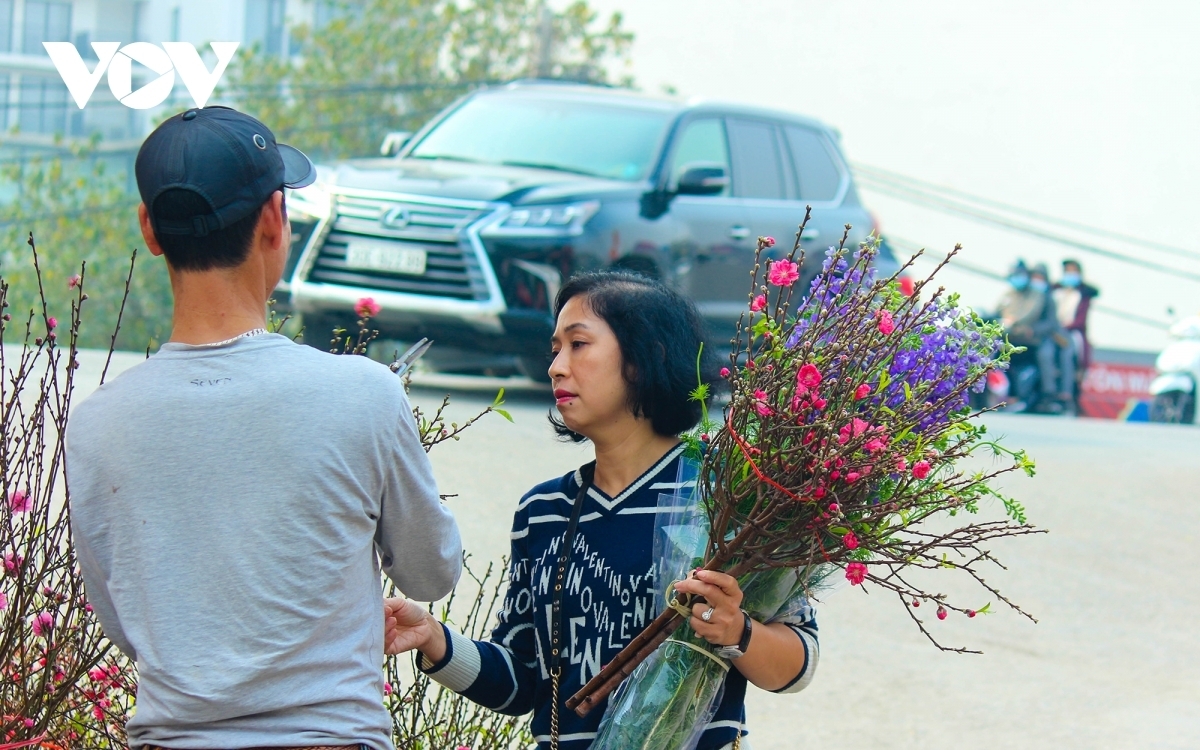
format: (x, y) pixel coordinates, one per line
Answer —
(962, 265)
(881, 174)
(922, 198)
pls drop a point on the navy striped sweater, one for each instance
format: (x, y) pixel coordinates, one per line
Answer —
(610, 596)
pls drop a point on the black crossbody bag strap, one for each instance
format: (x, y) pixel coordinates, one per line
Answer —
(587, 473)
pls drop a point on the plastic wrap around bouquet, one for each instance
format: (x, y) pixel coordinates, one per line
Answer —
(672, 696)
(849, 428)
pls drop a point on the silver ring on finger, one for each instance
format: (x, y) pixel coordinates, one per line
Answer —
(707, 616)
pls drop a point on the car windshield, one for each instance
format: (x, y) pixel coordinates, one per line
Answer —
(566, 134)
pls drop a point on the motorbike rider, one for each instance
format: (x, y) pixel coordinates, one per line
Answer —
(1028, 316)
(1073, 300)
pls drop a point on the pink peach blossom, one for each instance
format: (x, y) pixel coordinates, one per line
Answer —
(42, 623)
(759, 303)
(850, 540)
(724, 372)
(862, 391)
(921, 469)
(73, 281)
(760, 404)
(856, 573)
(855, 428)
(886, 323)
(13, 562)
(809, 376)
(783, 272)
(19, 502)
(367, 307)
(768, 241)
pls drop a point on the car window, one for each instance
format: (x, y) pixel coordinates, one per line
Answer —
(539, 130)
(702, 142)
(819, 175)
(756, 160)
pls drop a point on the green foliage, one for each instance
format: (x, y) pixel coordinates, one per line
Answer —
(384, 65)
(79, 211)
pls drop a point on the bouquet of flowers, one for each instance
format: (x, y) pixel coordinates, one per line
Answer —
(848, 421)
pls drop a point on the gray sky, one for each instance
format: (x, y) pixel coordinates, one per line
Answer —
(1088, 111)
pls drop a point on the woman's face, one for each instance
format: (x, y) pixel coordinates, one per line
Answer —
(589, 387)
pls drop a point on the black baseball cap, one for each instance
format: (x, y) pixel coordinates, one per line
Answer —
(226, 157)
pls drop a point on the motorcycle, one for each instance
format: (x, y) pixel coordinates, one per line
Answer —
(1178, 365)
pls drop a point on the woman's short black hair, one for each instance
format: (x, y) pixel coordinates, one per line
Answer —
(659, 332)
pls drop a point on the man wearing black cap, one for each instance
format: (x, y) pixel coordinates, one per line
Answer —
(234, 496)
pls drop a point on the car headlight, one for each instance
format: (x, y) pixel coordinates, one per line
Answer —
(310, 204)
(554, 220)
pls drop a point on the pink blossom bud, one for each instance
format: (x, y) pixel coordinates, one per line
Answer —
(52, 323)
(724, 372)
(941, 612)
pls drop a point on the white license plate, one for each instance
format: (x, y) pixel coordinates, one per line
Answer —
(385, 256)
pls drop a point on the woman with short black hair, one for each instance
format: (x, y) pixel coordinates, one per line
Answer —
(625, 359)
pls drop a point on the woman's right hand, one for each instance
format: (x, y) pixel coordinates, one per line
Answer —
(407, 626)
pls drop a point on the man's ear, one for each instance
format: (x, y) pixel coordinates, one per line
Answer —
(148, 230)
(272, 221)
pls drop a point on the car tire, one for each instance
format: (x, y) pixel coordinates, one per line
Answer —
(1173, 407)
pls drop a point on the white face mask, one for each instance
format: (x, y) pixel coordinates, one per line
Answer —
(1039, 285)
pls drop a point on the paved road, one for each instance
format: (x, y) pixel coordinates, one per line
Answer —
(1113, 663)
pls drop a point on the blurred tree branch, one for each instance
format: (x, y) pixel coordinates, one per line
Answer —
(383, 65)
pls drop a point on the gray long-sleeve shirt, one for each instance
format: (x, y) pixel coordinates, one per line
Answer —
(228, 505)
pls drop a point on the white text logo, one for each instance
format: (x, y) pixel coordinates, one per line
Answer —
(170, 58)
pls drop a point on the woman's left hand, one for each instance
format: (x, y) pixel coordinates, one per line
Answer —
(726, 624)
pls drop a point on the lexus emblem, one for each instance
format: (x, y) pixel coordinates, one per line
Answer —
(397, 218)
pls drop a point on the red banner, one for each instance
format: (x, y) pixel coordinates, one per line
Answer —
(1113, 391)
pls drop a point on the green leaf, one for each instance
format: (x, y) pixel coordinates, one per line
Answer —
(504, 414)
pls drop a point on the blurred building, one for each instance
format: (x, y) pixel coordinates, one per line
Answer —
(37, 115)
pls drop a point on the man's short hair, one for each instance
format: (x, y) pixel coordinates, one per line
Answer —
(1072, 262)
(223, 248)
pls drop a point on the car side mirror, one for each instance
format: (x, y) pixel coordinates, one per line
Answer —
(393, 142)
(702, 179)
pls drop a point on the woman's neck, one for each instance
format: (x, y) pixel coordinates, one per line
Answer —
(622, 458)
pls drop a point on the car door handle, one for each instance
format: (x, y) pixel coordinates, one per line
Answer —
(738, 232)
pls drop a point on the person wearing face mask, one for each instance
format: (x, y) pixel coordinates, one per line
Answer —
(1073, 300)
(1028, 316)
(1051, 339)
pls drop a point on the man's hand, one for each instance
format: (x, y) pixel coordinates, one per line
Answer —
(407, 626)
